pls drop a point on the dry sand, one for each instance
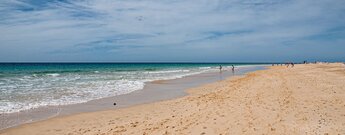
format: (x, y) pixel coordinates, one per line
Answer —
(306, 99)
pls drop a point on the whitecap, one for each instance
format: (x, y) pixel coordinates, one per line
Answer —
(53, 74)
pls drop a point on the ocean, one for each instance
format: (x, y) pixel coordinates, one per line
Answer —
(31, 85)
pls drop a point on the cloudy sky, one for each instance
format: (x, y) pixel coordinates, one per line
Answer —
(172, 30)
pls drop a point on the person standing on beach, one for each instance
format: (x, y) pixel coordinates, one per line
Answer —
(220, 68)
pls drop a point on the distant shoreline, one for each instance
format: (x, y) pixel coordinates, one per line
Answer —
(151, 88)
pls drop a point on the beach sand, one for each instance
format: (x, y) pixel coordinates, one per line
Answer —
(306, 99)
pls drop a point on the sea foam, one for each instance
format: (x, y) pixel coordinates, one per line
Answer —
(28, 90)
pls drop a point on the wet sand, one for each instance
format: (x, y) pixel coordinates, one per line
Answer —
(306, 99)
(152, 92)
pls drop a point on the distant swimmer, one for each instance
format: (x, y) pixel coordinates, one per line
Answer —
(220, 68)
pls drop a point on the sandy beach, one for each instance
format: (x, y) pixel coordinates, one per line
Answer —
(305, 99)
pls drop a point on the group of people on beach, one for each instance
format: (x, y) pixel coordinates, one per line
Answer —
(286, 64)
(232, 68)
(290, 63)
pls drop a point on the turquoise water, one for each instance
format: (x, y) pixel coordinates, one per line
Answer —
(28, 85)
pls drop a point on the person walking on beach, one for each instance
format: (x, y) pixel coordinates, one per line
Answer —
(233, 69)
(288, 64)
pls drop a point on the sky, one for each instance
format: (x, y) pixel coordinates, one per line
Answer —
(172, 30)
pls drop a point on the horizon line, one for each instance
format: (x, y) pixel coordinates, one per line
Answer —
(145, 62)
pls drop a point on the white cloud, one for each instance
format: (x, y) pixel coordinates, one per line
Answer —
(110, 27)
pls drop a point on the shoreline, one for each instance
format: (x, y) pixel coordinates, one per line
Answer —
(306, 99)
(155, 91)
